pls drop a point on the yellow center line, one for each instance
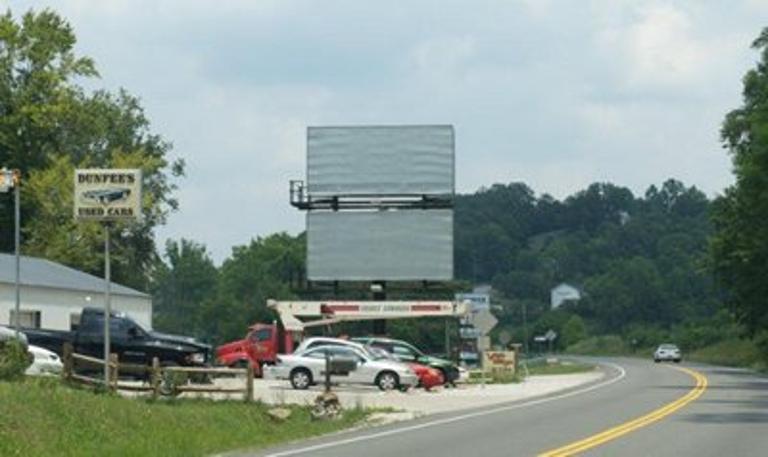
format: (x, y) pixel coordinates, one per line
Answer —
(642, 421)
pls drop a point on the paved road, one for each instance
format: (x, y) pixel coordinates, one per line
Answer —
(729, 419)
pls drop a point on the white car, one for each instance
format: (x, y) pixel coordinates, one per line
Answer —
(44, 362)
(667, 352)
(306, 368)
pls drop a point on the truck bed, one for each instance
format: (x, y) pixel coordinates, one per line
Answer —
(52, 340)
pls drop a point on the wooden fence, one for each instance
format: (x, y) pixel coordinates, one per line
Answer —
(163, 380)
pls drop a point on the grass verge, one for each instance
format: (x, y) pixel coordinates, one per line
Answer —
(43, 417)
(480, 377)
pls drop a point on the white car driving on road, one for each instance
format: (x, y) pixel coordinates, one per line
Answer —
(667, 352)
(306, 368)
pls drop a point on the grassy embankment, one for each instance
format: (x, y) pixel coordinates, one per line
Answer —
(732, 352)
(43, 417)
(558, 367)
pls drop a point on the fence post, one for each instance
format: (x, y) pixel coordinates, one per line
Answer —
(66, 353)
(249, 383)
(113, 371)
(155, 377)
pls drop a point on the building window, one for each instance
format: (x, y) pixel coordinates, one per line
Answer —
(74, 321)
(27, 319)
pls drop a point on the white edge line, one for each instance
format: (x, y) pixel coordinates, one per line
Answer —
(448, 420)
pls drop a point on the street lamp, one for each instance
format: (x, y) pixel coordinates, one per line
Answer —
(8, 179)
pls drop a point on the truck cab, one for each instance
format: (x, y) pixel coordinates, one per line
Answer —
(261, 345)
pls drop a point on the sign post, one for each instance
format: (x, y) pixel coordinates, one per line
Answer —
(550, 336)
(8, 179)
(107, 195)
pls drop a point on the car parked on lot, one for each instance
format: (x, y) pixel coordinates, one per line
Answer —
(428, 377)
(44, 362)
(131, 342)
(306, 368)
(667, 352)
(406, 352)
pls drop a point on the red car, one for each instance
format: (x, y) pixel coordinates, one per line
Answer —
(428, 377)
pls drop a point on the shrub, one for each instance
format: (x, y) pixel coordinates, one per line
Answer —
(732, 352)
(14, 359)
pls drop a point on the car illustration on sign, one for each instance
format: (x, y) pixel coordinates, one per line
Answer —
(107, 196)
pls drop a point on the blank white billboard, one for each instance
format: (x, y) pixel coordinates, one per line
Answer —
(393, 245)
(380, 160)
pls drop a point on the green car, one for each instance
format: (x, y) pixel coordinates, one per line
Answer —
(406, 352)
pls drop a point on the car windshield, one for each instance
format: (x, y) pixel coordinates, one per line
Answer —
(668, 347)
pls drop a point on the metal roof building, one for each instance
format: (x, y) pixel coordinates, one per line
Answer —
(53, 295)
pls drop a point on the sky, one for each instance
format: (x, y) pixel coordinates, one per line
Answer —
(556, 94)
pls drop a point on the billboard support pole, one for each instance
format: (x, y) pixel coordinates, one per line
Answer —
(379, 290)
(107, 301)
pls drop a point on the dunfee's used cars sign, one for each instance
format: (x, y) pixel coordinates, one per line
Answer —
(108, 194)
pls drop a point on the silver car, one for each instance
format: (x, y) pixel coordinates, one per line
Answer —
(306, 368)
(667, 352)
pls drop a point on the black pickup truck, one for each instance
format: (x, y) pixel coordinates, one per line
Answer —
(128, 340)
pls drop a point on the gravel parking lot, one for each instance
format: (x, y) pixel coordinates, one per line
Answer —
(419, 401)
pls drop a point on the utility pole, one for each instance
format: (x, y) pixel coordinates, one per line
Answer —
(107, 302)
(525, 329)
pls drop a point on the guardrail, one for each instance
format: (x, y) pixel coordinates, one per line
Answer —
(163, 380)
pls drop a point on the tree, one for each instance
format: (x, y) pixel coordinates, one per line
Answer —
(49, 126)
(573, 331)
(265, 268)
(739, 248)
(181, 287)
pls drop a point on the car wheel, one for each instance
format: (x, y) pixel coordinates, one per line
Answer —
(387, 381)
(656, 360)
(677, 360)
(301, 378)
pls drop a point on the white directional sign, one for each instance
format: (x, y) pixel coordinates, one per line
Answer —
(484, 321)
(105, 195)
(550, 335)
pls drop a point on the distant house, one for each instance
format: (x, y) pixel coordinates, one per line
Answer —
(562, 293)
(53, 295)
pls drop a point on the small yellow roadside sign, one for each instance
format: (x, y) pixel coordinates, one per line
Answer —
(502, 362)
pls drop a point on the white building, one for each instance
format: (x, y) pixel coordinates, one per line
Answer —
(53, 295)
(563, 292)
